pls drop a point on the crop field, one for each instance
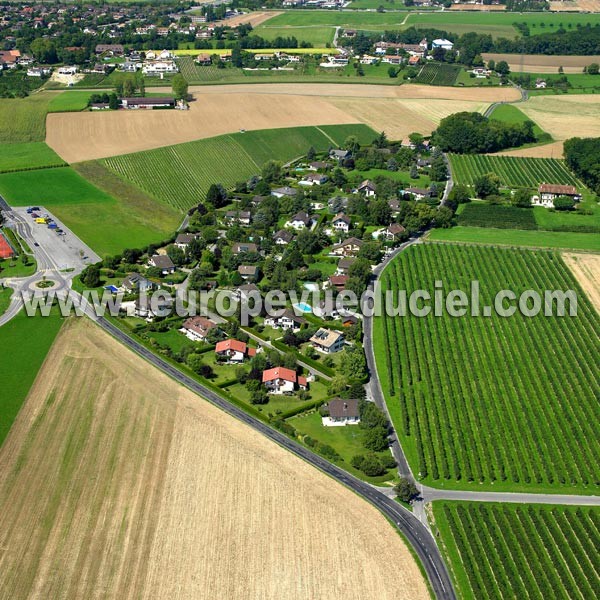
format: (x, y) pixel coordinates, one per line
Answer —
(513, 171)
(508, 113)
(480, 401)
(106, 224)
(493, 215)
(141, 489)
(196, 74)
(501, 551)
(69, 101)
(225, 159)
(25, 342)
(541, 63)
(586, 268)
(23, 119)
(438, 74)
(27, 155)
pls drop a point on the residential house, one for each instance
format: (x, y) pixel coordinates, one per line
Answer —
(319, 165)
(392, 233)
(38, 71)
(112, 49)
(245, 291)
(183, 240)
(349, 247)
(197, 328)
(68, 70)
(337, 203)
(338, 282)
(368, 188)
(366, 59)
(241, 217)
(147, 308)
(344, 265)
(284, 191)
(327, 341)
(280, 380)
(313, 179)
(342, 412)
(248, 272)
(300, 220)
(287, 320)
(204, 60)
(162, 262)
(134, 283)
(283, 237)
(340, 154)
(341, 222)
(540, 84)
(244, 247)
(234, 351)
(418, 193)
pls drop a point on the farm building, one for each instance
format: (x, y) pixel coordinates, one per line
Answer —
(341, 412)
(280, 380)
(148, 103)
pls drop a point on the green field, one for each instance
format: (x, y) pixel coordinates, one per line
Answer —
(507, 113)
(491, 402)
(347, 442)
(104, 223)
(225, 159)
(501, 551)
(25, 342)
(496, 215)
(27, 155)
(438, 74)
(319, 37)
(513, 171)
(5, 296)
(69, 101)
(580, 82)
(514, 237)
(24, 119)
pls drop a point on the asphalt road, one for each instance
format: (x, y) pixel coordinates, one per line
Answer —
(414, 531)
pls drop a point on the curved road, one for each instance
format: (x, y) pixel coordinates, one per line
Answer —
(415, 532)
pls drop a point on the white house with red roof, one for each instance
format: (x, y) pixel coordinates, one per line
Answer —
(234, 350)
(281, 380)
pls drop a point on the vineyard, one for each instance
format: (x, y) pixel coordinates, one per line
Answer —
(510, 403)
(199, 74)
(497, 215)
(513, 171)
(438, 74)
(180, 175)
(534, 551)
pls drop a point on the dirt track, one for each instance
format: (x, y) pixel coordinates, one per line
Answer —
(117, 483)
(586, 268)
(225, 109)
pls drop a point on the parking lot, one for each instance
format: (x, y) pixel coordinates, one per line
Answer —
(65, 250)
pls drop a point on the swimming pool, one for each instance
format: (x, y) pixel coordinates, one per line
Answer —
(303, 307)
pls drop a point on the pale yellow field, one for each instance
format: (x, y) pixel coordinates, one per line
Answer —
(563, 117)
(226, 109)
(538, 63)
(577, 5)
(586, 268)
(117, 483)
(252, 18)
(479, 7)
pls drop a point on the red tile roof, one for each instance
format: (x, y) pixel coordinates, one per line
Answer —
(281, 373)
(235, 345)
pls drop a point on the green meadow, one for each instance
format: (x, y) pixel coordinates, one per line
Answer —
(27, 155)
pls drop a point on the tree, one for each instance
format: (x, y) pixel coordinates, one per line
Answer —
(376, 439)
(371, 416)
(259, 396)
(381, 140)
(392, 165)
(491, 65)
(216, 195)
(521, 198)
(438, 171)
(338, 177)
(564, 203)
(460, 194)
(392, 72)
(486, 185)
(351, 144)
(311, 154)
(406, 490)
(272, 171)
(180, 87)
(593, 69)
(416, 139)
(369, 464)
(91, 276)
(353, 364)
(194, 362)
(44, 50)
(443, 218)
(502, 68)
(413, 173)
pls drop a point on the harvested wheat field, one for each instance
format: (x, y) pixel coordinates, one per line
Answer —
(252, 18)
(479, 7)
(218, 110)
(586, 268)
(539, 63)
(115, 482)
(578, 5)
(552, 150)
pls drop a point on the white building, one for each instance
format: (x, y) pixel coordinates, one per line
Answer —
(442, 43)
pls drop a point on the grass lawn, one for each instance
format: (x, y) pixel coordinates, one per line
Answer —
(24, 119)
(277, 403)
(578, 81)
(25, 342)
(347, 441)
(507, 113)
(69, 101)
(516, 237)
(172, 338)
(5, 296)
(464, 78)
(554, 220)
(27, 155)
(317, 36)
(15, 268)
(105, 224)
(402, 177)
